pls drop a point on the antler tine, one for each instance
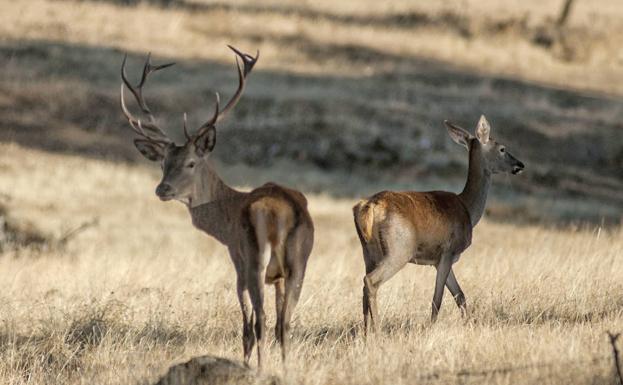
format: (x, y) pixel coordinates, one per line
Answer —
(141, 132)
(137, 91)
(134, 122)
(148, 68)
(188, 137)
(213, 120)
(248, 63)
(139, 127)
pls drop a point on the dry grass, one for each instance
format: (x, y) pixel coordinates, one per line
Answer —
(354, 93)
(350, 89)
(491, 37)
(144, 289)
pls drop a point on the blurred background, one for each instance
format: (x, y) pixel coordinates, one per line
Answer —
(348, 97)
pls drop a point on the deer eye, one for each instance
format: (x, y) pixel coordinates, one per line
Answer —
(190, 164)
(502, 150)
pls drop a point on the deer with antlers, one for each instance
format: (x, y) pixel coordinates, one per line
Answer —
(428, 228)
(268, 231)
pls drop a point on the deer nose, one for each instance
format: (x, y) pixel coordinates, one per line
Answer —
(517, 168)
(164, 191)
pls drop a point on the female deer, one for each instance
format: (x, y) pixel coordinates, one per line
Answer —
(428, 228)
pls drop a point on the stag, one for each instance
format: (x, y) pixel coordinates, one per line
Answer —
(267, 231)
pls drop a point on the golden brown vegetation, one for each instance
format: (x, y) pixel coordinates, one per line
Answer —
(347, 99)
(492, 37)
(143, 289)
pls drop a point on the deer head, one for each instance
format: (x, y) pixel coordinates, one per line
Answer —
(494, 155)
(182, 165)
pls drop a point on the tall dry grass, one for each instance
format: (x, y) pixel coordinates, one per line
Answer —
(143, 289)
(357, 90)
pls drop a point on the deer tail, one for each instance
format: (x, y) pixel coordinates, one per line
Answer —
(363, 213)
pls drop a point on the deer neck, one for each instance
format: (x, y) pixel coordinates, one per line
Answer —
(209, 187)
(215, 207)
(474, 194)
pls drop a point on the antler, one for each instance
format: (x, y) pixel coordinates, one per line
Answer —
(149, 130)
(248, 63)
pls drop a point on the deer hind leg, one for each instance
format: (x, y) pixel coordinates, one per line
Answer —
(248, 336)
(373, 281)
(370, 262)
(443, 270)
(298, 249)
(279, 299)
(256, 293)
(389, 251)
(277, 271)
(370, 265)
(457, 293)
(294, 284)
(257, 253)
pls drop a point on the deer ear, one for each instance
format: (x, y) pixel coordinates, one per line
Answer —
(205, 142)
(483, 130)
(458, 134)
(150, 150)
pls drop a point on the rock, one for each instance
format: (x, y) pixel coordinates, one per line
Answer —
(211, 370)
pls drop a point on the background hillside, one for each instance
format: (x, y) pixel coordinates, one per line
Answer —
(102, 283)
(345, 88)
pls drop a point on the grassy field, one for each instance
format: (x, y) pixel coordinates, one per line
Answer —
(347, 99)
(143, 289)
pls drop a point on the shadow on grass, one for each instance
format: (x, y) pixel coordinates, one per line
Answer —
(384, 129)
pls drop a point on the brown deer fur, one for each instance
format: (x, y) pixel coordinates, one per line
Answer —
(428, 228)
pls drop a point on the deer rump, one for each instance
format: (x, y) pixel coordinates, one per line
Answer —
(271, 216)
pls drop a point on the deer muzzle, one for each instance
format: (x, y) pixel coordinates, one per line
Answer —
(518, 168)
(165, 192)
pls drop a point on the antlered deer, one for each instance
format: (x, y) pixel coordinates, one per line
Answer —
(428, 228)
(268, 231)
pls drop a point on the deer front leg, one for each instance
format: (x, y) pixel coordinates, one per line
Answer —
(443, 269)
(248, 337)
(456, 292)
